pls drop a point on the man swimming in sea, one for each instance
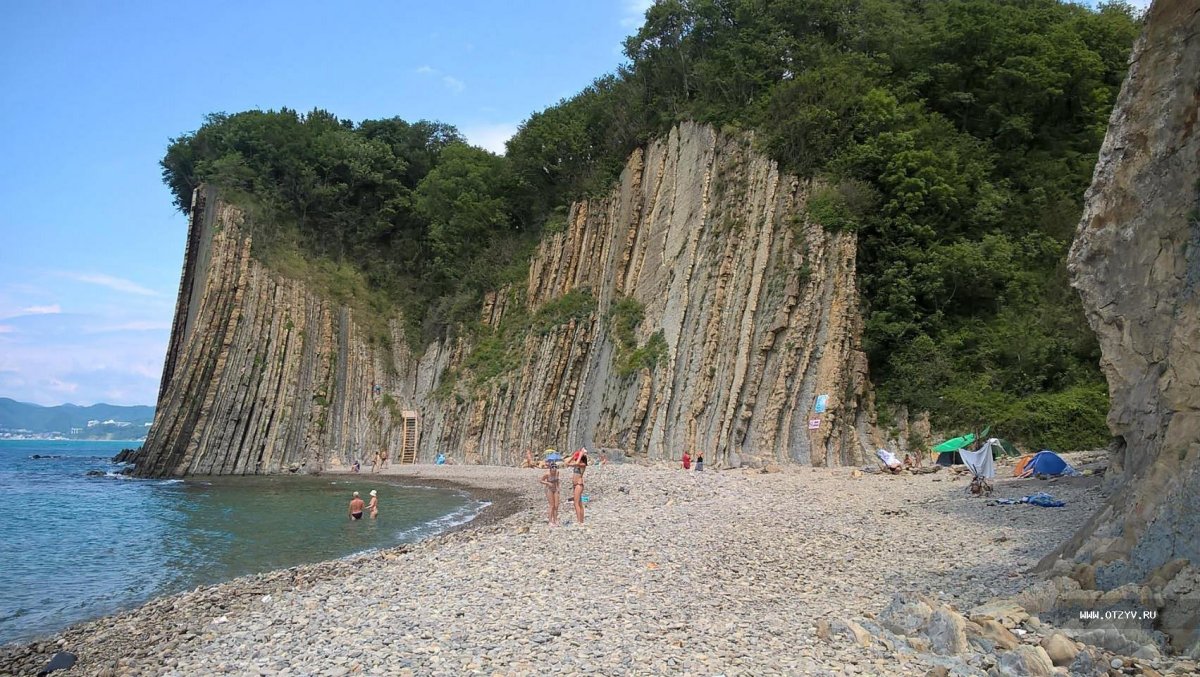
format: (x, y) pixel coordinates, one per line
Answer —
(356, 507)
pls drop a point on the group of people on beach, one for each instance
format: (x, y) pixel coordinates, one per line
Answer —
(377, 463)
(687, 461)
(357, 506)
(577, 463)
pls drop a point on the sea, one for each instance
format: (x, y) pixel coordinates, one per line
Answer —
(75, 546)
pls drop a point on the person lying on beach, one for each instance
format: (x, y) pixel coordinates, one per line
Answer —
(356, 507)
(374, 506)
(551, 482)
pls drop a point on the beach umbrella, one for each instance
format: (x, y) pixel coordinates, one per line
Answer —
(554, 456)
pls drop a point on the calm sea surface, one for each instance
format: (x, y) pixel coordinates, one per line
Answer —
(74, 547)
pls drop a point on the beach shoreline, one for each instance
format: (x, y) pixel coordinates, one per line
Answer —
(500, 502)
(673, 572)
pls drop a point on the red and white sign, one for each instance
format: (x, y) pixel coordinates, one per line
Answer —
(814, 423)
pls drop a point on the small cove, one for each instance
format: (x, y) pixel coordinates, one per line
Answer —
(76, 547)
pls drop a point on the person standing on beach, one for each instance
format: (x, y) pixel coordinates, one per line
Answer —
(699, 460)
(578, 464)
(687, 461)
(356, 507)
(383, 455)
(374, 505)
(551, 482)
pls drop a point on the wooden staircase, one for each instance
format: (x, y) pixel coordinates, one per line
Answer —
(408, 436)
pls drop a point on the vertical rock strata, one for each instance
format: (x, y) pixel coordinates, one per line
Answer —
(755, 303)
(1136, 263)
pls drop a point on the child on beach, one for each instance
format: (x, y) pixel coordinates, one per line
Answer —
(551, 482)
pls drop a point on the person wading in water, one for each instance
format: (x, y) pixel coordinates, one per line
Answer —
(374, 506)
(578, 464)
(356, 507)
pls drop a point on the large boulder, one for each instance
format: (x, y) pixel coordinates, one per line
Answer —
(947, 632)
(1025, 661)
(906, 614)
(1060, 649)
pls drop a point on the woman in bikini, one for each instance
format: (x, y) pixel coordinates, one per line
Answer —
(373, 506)
(550, 481)
(578, 464)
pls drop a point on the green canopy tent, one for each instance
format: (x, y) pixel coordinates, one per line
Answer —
(958, 442)
(946, 453)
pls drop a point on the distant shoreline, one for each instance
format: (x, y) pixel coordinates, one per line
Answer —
(16, 438)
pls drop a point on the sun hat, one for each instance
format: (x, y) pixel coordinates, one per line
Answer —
(372, 492)
(356, 493)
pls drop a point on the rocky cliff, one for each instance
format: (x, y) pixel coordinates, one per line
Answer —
(708, 312)
(1136, 263)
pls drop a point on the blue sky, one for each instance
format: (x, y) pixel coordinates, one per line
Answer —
(90, 246)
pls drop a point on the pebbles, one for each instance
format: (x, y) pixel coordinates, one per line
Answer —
(727, 572)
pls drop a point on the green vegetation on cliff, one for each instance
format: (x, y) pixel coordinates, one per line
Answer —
(956, 138)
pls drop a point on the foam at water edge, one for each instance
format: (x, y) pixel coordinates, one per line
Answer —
(444, 523)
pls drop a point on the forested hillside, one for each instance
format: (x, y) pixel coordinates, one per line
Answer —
(956, 138)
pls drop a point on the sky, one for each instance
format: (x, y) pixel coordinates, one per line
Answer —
(91, 248)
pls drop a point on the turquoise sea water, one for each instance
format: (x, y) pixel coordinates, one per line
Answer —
(74, 547)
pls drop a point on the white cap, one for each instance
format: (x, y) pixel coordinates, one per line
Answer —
(372, 492)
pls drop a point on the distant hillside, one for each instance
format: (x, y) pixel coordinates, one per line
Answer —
(98, 421)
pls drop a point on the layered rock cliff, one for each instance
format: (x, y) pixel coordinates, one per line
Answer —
(1136, 263)
(748, 313)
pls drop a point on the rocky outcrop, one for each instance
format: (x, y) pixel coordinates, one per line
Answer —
(748, 314)
(1136, 263)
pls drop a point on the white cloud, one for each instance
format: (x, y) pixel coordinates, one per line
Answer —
(115, 283)
(63, 386)
(634, 12)
(135, 325)
(52, 309)
(53, 367)
(490, 136)
(452, 83)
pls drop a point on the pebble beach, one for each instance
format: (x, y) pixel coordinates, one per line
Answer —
(703, 573)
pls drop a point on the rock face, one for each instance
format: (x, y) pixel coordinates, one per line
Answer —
(1136, 263)
(749, 306)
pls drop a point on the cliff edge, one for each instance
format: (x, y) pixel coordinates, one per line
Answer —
(1136, 263)
(696, 306)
